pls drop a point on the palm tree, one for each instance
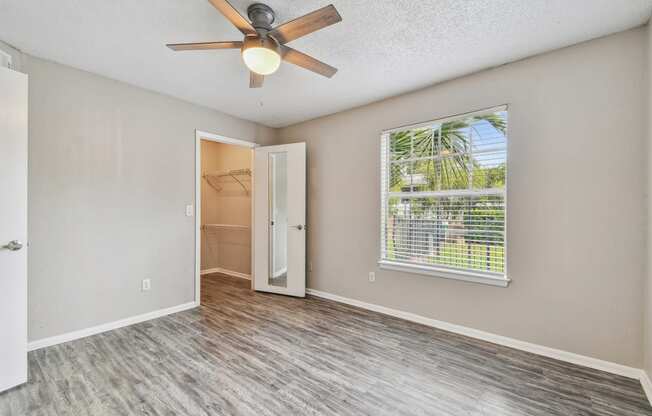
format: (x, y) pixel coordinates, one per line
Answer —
(452, 138)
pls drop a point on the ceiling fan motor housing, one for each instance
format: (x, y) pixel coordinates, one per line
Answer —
(262, 16)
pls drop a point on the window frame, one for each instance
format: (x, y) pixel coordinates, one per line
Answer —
(468, 275)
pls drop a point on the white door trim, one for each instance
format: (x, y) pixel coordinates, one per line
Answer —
(199, 136)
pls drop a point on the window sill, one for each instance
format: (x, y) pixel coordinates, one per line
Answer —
(486, 279)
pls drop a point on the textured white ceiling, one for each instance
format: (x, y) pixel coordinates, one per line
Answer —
(382, 47)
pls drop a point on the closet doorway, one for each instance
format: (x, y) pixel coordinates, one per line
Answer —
(251, 215)
(224, 190)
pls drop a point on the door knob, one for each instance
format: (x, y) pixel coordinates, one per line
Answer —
(298, 227)
(14, 245)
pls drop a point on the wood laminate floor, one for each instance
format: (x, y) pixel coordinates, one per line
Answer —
(246, 353)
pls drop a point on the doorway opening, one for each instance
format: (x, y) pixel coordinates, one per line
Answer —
(224, 205)
(251, 211)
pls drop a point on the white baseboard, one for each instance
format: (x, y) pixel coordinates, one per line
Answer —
(647, 385)
(561, 355)
(83, 333)
(227, 272)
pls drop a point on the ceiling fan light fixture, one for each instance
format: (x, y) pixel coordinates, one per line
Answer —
(264, 45)
(261, 55)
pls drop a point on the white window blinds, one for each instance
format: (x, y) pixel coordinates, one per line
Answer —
(443, 194)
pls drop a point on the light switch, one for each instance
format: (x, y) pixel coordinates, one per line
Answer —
(190, 211)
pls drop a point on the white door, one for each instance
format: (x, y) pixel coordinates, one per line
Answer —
(280, 219)
(13, 228)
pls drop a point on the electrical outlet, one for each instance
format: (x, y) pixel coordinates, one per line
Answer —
(372, 276)
(147, 285)
(190, 211)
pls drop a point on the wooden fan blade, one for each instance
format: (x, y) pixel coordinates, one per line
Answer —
(233, 16)
(255, 80)
(295, 57)
(304, 25)
(204, 46)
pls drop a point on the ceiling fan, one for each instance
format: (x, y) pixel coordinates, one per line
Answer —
(263, 47)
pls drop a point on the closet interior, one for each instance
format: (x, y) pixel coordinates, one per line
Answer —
(225, 210)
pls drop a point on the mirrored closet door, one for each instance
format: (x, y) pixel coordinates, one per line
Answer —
(279, 217)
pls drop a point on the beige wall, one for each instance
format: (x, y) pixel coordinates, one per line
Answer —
(575, 208)
(111, 168)
(226, 202)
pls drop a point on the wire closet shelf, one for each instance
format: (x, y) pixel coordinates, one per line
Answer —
(233, 174)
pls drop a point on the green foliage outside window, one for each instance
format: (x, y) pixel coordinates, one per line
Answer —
(461, 230)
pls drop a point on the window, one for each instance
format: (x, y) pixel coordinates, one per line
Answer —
(443, 197)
